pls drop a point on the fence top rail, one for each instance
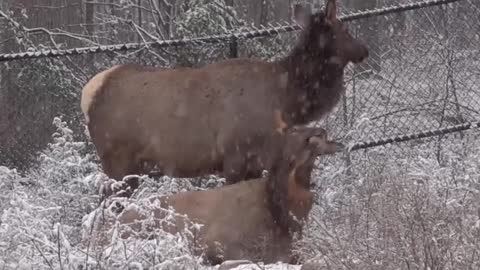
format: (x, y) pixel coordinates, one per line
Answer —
(214, 39)
(413, 136)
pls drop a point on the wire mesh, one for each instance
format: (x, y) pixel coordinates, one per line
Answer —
(422, 73)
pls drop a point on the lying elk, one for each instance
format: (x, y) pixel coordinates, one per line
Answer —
(243, 220)
(190, 122)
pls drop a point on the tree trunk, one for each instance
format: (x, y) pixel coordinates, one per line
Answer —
(166, 16)
(140, 19)
(89, 10)
(264, 9)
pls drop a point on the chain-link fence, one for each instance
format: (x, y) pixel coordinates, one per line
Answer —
(423, 73)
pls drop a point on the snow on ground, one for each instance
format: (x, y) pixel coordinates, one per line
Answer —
(250, 266)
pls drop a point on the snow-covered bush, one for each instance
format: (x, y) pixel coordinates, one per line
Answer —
(65, 160)
(399, 208)
(8, 179)
(42, 210)
(42, 214)
(161, 250)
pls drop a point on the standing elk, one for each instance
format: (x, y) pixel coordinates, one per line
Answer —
(243, 221)
(216, 119)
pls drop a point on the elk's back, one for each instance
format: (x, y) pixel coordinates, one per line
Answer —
(237, 216)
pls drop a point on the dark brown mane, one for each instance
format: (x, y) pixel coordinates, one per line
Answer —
(288, 185)
(289, 149)
(277, 196)
(277, 191)
(312, 72)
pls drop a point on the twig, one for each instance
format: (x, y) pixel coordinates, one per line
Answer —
(59, 247)
(89, 240)
(41, 253)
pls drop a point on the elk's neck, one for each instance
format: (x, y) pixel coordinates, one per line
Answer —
(315, 85)
(289, 193)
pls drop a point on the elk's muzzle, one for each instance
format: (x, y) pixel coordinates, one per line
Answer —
(361, 53)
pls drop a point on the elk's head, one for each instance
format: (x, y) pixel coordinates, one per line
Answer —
(289, 176)
(325, 35)
(302, 146)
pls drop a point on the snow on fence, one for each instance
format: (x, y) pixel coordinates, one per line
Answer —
(231, 37)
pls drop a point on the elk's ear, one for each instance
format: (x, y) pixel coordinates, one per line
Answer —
(331, 10)
(301, 14)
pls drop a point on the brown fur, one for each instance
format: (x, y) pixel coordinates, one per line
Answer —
(289, 183)
(242, 217)
(216, 119)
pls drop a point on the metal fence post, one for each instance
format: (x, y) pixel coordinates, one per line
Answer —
(233, 47)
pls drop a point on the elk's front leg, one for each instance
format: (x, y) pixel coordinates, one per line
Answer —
(239, 167)
(243, 161)
(255, 167)
(234, 167)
